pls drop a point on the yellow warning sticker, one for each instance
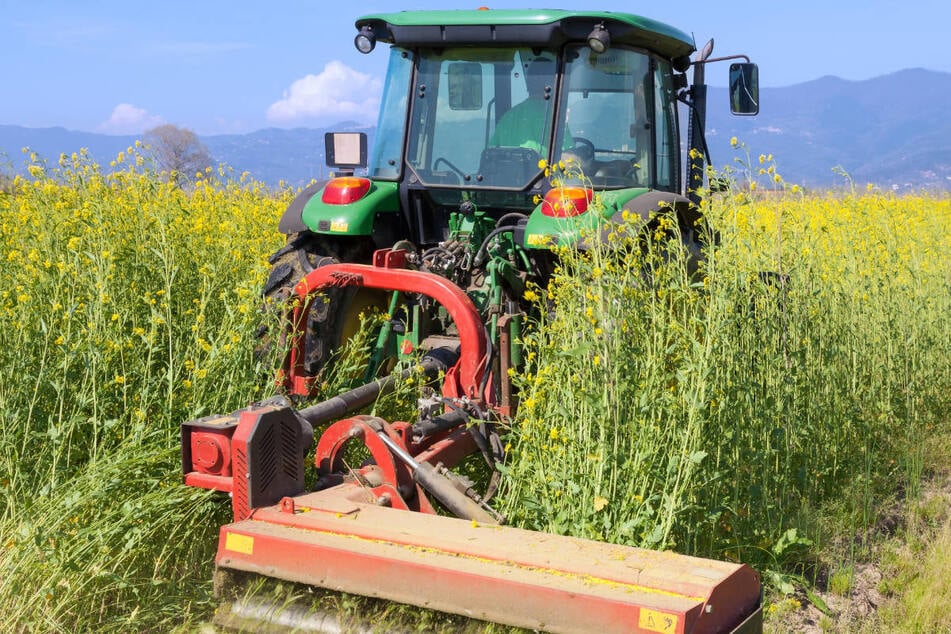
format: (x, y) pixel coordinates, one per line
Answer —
(339, 225)
(654, 621)
(243, 544)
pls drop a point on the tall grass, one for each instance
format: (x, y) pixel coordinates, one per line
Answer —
(710, 412)
(128, 305)
(714, 414)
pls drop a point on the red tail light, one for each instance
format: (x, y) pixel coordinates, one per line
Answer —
(345, 190)
(562, 202)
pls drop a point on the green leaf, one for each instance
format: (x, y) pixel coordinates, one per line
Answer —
(697, 456)
(817, 601)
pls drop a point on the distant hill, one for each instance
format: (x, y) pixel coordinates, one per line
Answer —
(270, 155)
(274, 154)
(892, 130)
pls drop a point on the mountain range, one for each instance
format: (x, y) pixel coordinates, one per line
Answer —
(892, 131)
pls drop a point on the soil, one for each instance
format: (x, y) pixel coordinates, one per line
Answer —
(846, 613)
(856, 610)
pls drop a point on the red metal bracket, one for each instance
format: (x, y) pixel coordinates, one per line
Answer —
(463, 379)
(397, 479)
(389, 258)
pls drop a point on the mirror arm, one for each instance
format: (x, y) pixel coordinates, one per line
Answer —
(720, 59)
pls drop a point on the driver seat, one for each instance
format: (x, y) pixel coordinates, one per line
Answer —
(508, 166)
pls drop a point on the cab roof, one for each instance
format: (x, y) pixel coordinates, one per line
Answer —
(547, 28)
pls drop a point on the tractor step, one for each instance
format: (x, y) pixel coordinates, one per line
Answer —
(338, 540)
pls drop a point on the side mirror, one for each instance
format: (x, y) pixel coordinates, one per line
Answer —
(465, 86)
(744, 89)
(346, 150)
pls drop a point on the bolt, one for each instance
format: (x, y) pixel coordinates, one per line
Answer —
(708, 609)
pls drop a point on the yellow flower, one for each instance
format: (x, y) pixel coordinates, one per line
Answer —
(734, 141)
(599, 503)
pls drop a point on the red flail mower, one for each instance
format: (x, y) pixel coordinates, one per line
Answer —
(374, 531)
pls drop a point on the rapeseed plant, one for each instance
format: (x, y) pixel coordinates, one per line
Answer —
(128, 305)
(801, 366)
(706, 410)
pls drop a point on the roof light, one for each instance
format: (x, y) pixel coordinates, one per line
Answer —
(365, 40)
(345, 190)
(563, 202)
(599, 40)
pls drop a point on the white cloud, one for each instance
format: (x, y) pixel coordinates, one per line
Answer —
(338, 92)
(127, 119)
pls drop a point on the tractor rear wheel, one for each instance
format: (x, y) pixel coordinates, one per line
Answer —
(334, 314)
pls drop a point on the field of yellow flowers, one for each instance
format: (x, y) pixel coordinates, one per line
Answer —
(127, 305)
(712, 413)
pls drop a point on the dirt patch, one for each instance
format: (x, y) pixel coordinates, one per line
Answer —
(849, 600)
(841, 613)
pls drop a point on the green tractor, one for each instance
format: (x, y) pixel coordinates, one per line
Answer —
(455, 219)
(477, 105)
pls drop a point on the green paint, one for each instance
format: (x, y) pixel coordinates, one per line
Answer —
(528, 17)
(543, 231)
(355, 219)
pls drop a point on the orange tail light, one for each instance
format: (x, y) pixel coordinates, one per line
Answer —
(563, 202)
(345, 190)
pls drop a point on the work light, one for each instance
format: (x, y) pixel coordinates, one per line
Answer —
(599, 39)
(365, 40)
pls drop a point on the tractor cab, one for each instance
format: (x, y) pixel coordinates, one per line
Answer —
(492, 118)
(494, 108)
(478, 104)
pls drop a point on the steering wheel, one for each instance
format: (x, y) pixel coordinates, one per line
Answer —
(455, 169)
(583, 149)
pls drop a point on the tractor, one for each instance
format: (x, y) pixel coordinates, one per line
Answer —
(442, 227)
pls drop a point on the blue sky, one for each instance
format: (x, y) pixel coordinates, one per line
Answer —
(219, 66)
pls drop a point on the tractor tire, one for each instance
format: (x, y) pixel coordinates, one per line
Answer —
(334, 314)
